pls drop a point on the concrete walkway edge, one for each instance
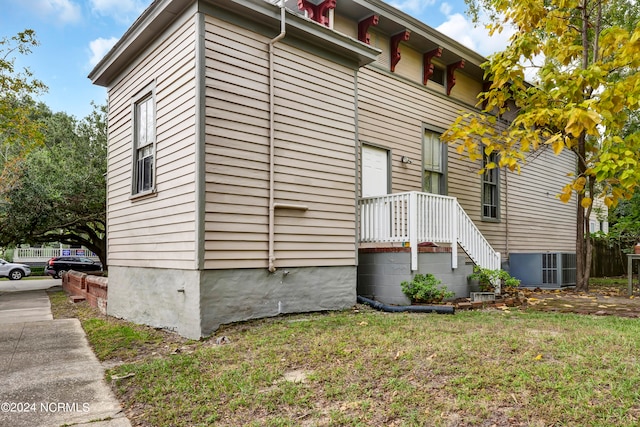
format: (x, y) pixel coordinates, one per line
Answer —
(49, 376)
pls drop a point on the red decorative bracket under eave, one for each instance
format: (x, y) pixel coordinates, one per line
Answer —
(319, 12)
(428, 66)
(363, 27)
(451, 77)
(395, 47)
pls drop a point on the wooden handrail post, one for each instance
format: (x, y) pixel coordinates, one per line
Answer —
(454, 241)
(413, 229)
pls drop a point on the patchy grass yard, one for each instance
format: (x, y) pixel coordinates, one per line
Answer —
(114, 340)
(610, 284)
(366, 368)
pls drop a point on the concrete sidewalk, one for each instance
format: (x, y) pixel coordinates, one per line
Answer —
(48, 374)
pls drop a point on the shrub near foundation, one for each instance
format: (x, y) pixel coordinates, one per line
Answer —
(425, 288)
(487, 279)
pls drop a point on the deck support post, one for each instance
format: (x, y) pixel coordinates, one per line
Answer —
(455, 209)
(413, 229)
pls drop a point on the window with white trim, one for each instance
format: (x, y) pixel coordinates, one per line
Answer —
(490, 187)
(433, 163)
(144, 145)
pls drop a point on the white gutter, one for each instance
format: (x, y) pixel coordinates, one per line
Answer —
(272, 138)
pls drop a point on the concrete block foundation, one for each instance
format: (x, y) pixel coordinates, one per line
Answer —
(381, 270)
(195, 303)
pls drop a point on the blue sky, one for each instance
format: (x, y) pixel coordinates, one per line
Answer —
(75, 34)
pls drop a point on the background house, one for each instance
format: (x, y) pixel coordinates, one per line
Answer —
(243, 135)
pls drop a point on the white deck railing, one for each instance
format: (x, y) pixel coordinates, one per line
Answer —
(416, 217)
(40, 255)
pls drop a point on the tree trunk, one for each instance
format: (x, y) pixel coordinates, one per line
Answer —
(583, 246)
(587, 271)
(582, 223)
(581, 283)
(98, 248)
(588, 243)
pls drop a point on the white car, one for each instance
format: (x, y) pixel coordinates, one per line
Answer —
(13, 271)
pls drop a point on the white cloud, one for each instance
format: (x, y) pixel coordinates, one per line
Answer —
(99, 47)
(456, 25)
(123, 11)
(63, 11)
(446, 9)
(412, 7)
(477, 38)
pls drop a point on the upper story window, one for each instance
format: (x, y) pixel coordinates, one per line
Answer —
(438, 75)
(490, 188)
(433, 163)
(144, 144)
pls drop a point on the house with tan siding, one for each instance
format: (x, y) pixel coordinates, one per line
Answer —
(276, 158)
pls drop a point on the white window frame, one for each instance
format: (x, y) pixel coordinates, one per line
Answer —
(438, 170)
(491, 182)
(143, 171)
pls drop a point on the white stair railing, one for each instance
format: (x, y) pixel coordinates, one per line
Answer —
(415, 217)
(474, 243)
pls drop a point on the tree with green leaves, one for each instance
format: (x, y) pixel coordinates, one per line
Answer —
(52, 185)
(18, 133)
(59, 194)
(584, 98)
(624, 221)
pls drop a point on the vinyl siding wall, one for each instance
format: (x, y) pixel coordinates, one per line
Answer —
(394, 108)
(314, 156)
(538, 220)
(159, 230)
(393, 113)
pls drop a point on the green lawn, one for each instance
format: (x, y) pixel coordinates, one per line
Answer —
(367, 368)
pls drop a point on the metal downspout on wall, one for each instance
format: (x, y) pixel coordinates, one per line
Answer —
(272, 137)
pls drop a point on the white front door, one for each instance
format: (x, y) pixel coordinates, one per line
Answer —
(375, 171)
(375, 225)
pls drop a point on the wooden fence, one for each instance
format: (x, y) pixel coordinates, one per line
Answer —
(608, 260)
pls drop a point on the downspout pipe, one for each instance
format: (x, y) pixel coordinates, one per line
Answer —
(440, 309)
(272, 138)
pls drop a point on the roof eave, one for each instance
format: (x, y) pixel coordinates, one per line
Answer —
(161, 13)
(415, 26)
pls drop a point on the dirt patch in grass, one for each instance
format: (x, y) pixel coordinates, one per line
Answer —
(595, 304)
(607, 297)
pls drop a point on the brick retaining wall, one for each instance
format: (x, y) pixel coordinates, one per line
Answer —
(82, 286)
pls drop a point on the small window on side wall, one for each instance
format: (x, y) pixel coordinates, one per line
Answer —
(144, 136)
(490, 188)
(438, 75)
(434, 179)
